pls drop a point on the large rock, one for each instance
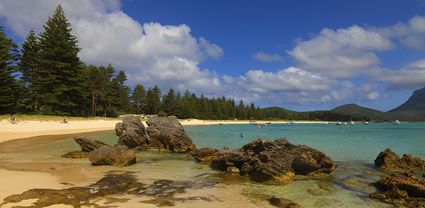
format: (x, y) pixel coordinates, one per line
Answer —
(168, 134)
(131, 132)
(401, 191)
(391, 162)
(88, 145)
(115, 156)
(278, 161)
(204, 154)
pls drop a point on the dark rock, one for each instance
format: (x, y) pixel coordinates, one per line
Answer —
(391, 162)
(401, 191)
(204, 154)
(282, 202)
(78, 154)
(131, 132)
(161, 192)
(278, 161)
(88, 145)
(116, 156)
(168, 134)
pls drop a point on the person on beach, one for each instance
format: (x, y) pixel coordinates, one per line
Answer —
(64, 121)
(12, 119)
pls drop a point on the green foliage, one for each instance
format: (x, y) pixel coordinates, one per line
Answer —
(138, 99)
(162, 114)
(61, 89)
(10, 88)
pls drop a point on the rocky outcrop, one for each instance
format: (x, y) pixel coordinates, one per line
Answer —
(88, 145)
(391, 162)
(168, 134)
(401, 191)
(204, 154)
(115, 156)
(131, 132)
(277, 160)
(78, 154)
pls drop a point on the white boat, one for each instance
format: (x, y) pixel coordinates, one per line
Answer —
(338, 123)
(352, 122)
(397, 122)
(345, 123)
(366, 123)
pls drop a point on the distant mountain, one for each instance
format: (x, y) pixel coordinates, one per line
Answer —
(413, 109)
(360, 112)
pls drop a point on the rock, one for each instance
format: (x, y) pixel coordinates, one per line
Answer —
(168, 134)
(78, 154)
(278, 161)
(204, 154)
(115, 156)
(401, 191)
(390, 161)
(282, 202)
(88, 145)
(131, 132)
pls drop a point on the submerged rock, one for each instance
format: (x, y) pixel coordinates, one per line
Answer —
(131, 132)
(115, 156)
(168, 134)
(283, 203)
(391, 162)
(88, 145)
(162, 192)
(401, 191)
(204, 154)
(278, 161)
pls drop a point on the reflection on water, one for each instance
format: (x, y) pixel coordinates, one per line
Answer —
(354, 148)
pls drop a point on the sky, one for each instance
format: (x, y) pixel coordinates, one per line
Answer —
(301, 55)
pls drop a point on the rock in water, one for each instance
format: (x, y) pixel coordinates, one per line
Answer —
(131, 132)
(390, 161)
(204, 154)
(283, 203)
(115, 156)
(278, 161)
(168, 134)
(401, 191)
(88, 145)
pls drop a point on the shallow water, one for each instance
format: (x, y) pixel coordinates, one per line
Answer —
(353, 147)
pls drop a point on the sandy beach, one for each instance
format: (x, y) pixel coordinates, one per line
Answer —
(26, 129)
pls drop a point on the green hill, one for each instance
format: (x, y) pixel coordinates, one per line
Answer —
(360, 112)
(411, 110)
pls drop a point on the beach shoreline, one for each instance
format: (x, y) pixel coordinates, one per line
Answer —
(32, 128)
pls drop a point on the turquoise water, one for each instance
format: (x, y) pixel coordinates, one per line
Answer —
(342, 143)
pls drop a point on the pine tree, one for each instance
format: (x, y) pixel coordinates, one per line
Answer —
(29, 65)
(60, 67)
(10, 89)
(153, 100)
(120, 92)
(138, 98)
(169, 103)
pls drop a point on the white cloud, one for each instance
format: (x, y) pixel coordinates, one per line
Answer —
(267, 58)
(410, 34)
(341, 53)
(166, 55)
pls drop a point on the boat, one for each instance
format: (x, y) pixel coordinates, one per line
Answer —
(397, 122)
(352, 122)
(366, 123)
(345, 123)
(268, 123)
(253, 122)
(291, 122)
(338, 123)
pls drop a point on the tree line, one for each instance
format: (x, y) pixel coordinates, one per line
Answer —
(46, 76)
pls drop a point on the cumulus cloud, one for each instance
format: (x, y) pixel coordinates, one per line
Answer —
(341, 53)
(410, 34)
(150, 53)
(267, 58)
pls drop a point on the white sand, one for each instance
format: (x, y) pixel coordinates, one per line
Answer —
(14, 182)
(27, 129)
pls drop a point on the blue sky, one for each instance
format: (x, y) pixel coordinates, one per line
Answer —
(273, 53)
